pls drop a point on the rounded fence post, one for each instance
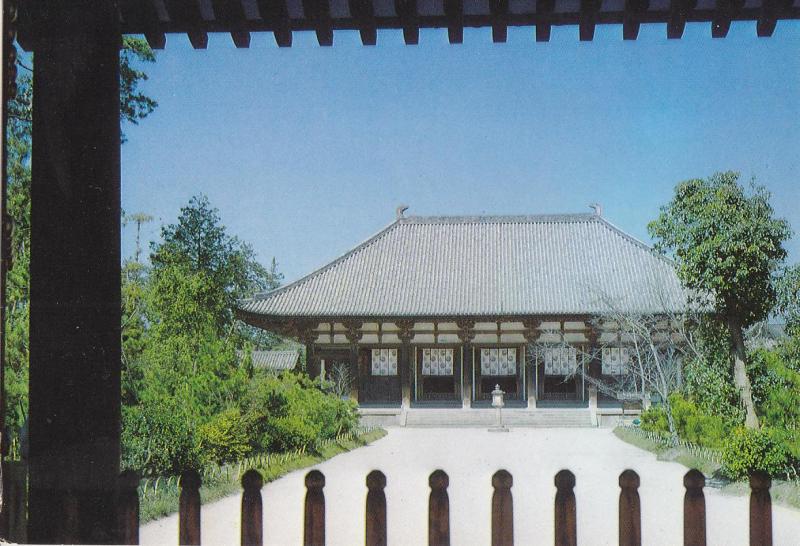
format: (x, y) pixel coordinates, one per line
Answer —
(376, 509)
(128, 508)
(189, 509)
(252, 510)
(760, 510)
(438, 510)
(502, 509)
(630, 512)
(566, 533)
(314, 525)
(694, 509)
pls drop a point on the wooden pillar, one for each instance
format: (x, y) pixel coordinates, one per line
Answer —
(529, 359)
(75, 270)
(354, 335)
(406, 369)
(466, 333)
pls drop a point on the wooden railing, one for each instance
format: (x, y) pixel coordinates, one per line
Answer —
(502, 518)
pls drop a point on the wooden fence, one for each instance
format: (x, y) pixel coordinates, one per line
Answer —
(502, 517)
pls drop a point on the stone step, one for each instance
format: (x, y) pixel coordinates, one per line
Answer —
(418, 417)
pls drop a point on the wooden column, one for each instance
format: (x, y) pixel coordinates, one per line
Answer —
(531, 335)
(406, 369)
(354, 335)
(75, 270)
(308, 337)
(466, 333)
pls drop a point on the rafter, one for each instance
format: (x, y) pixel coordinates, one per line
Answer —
(454, 11)
(187, 12)
(679, 11)
(588, 19)
(499, 10)
(364, 12)
(144, 15)
(633, 12)
(276, 12)
(544, 10)
(319, 13)
(770, 11)
(724, 13)
(231, 13)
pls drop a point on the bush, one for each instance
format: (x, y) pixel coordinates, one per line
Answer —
(224, 438)
(158, 437)
(292, 411)
(695, 426)
(748, 450)
(654, 419)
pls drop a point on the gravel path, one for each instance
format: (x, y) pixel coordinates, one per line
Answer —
(470, 456)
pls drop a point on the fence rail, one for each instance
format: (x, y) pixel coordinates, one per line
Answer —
(502, 520)
(665, 440)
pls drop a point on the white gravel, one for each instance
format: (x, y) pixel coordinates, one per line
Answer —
(470, 457)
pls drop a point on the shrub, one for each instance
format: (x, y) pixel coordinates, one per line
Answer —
(748, 450)
(696, 426)
(654, 419)
(224, 438)
(158, 437)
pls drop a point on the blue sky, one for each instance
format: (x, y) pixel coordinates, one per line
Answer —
(307, 151)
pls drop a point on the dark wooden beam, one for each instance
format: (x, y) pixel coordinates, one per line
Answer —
(276, 12)
(633, 13)
(544, 10)
(319, 13)
(588, 19)
(770, 11)
(363, 12)
(679, 11)
(499, 9)
(142, 14)
(723, 15)
(454, 11)
(407, 11)
(187, 12)
(231, 13)
(75, 346)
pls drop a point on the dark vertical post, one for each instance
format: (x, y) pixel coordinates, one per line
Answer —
(531, 334)
(75, 269)
(313, 368)
(406, 360)
(760, 510)
(630, 513)
(128, 508)
(565, 520)
(376, 509)
(252, 509)
(189, 509)
(466, 333)
(438, 510)
(502, 509)
(354, 335)
(314, 524)
(694, 509)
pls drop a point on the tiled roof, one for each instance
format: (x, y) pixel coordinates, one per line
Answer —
(274, 360)
(484, 266)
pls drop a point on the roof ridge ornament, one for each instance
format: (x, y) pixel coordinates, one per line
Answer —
(400, 211)
(597, 207)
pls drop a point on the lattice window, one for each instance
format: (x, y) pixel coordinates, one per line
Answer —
(437, 361)
(384, 361)
(496, 361)
(560, 360)
(616, 360)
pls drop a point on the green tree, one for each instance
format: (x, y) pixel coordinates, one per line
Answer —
(787, 288)
(134, 106)
(727, 245)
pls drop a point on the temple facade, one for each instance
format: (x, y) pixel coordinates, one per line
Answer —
(435, 312)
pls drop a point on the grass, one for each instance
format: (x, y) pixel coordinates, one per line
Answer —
(163, 499)
(786, 493)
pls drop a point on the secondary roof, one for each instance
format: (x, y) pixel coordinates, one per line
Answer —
(483, 266)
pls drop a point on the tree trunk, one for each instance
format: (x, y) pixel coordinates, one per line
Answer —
(740, 378)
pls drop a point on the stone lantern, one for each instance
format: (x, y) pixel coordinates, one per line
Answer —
(497, 404)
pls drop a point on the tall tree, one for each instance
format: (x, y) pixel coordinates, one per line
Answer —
(727, 245)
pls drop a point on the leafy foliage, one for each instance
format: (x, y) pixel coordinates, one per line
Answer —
(224, 437)
(787, 289)
(726, 242)
(748, 450)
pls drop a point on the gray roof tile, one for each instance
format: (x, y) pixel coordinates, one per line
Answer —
(484, 265)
